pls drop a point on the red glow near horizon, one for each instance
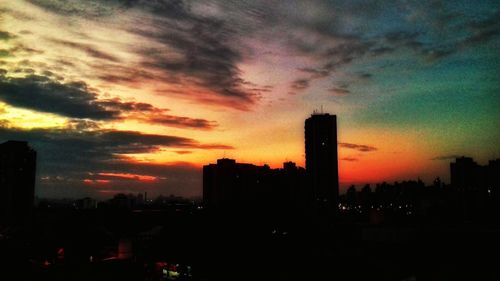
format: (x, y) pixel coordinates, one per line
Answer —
(92, 181)
(144, 178)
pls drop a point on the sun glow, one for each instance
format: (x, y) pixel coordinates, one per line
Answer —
(28, 119)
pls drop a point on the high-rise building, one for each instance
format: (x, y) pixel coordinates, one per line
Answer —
(321, 159)
(17, 182)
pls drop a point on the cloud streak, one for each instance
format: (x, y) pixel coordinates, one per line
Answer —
(358, 147)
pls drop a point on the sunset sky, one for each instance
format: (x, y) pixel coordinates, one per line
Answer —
(136, 95)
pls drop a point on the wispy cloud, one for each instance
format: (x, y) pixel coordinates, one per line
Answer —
(358, 147)
(350, 159)
(86, 48)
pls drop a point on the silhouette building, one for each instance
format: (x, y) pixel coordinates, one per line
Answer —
(478, 185)
(465, 173)
(17, 182)
(230, 183)
(321, 159)
(241, 185)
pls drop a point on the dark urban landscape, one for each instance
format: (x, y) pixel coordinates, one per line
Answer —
(258, 223)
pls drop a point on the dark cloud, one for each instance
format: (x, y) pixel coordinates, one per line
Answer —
(77, 100)
(300, 84)
(19, 50)
(89, 8)
(364, 75)
(4, 35)
(334, 57)
(67, 157)
(315, 72)
(204, 56)
(481, 30)
(353, 48)
(4, 53)
(181, 47)
(43, 94)
(358, 147)
(339, 91)
(177, 121)
(192, 44)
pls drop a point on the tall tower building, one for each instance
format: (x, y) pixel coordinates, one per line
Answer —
(321, 159)
(17, 182)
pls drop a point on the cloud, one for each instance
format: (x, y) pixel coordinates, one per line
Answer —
(179, 45)
(350, 159)
(179, 121)
(336, 49)
(333, 58)
(5, 36)
(90, 8)
(339, 91)
(300, 84)
(483, 30)
(66, 157)
(364, 75)
(86, 48)
(4, 53)
(43, 94)
(77, 100)
(183, 151)
(203, 57)
(358, 147)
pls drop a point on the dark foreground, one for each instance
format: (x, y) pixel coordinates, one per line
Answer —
(191, 244)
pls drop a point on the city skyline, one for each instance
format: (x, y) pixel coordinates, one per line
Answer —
(134, 96)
